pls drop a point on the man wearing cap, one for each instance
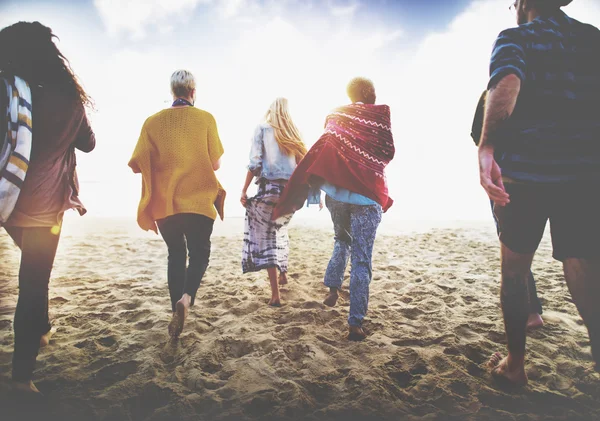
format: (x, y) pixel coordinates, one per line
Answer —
(539, 160)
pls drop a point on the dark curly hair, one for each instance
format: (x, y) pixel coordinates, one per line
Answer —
(27, 50)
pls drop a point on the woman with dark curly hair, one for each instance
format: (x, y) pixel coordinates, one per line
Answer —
(60, 126)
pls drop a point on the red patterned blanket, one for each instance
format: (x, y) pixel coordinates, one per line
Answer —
(352, 154)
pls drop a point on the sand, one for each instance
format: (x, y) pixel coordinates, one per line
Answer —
(433, 322)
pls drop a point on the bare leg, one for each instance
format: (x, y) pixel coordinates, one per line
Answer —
(515, 308)
(283, 280)
(535, 306)
(275, 298)
(535, 318)
(181, 312)
(583, 280)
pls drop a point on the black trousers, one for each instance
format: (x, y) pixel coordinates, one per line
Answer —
(38, 250)
(186, 232)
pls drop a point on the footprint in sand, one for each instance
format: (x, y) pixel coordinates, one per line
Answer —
(235, 348)
(107, 341)
(151, 398)
(292, 333)
(131, 305)
(246, 309)
(144, 325)
(113, 374)
(460, 388)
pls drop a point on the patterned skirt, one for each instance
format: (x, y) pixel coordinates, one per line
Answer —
(266, 242)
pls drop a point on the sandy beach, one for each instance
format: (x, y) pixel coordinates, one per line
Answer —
(433, 322)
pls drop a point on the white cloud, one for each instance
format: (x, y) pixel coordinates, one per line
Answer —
(344, 10)
(309, 58)
(231, 8)
(433, 94)
(134, 16)
(381, 39)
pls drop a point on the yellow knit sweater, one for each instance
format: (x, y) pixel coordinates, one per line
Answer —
(174, 154)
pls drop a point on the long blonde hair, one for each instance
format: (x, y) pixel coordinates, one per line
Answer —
(286, 133)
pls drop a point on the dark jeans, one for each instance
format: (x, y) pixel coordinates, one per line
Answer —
(38, 250)
(183, 232)
(535, 306)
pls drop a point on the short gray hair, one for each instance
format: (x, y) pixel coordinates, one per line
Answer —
(182, 83)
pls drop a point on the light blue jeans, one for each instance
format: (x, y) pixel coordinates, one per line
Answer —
(355, 228)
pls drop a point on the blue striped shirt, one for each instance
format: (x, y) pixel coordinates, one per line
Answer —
(553, 135)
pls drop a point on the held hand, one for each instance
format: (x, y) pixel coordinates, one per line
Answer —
(244, 199)
(321, 204)
(491, 177)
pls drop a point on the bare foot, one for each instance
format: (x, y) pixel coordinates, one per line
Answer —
(535, 321)
(45, 339)
(275, 302)
(501, 369)
(331, 298)
(283, 278)
(356, 334)
(181, 312)
(26, 387)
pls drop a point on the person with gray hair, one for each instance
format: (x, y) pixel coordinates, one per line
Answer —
(183, 86)
(539, 160)
(178, 153)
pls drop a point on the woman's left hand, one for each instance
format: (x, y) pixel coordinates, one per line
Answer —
(244, 199)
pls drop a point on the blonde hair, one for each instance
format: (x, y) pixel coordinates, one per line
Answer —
(286, 133)
(182, 83)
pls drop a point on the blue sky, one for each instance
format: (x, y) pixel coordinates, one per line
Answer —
(428, 59)
(419, 17)
(406, 21)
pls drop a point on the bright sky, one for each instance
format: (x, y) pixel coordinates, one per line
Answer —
(428, 59)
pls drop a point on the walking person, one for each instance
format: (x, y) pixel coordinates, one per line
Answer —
(542, 116)
(178, 153)
(276, 149)
(348, 164)
(60, 125)
(535, 305)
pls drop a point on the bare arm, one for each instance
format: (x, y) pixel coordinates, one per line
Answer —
(508, 70)
(216, 165)
(500, 106)
(255, 166)
(249, 178)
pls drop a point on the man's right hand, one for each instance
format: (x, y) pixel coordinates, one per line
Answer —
(490, 177)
